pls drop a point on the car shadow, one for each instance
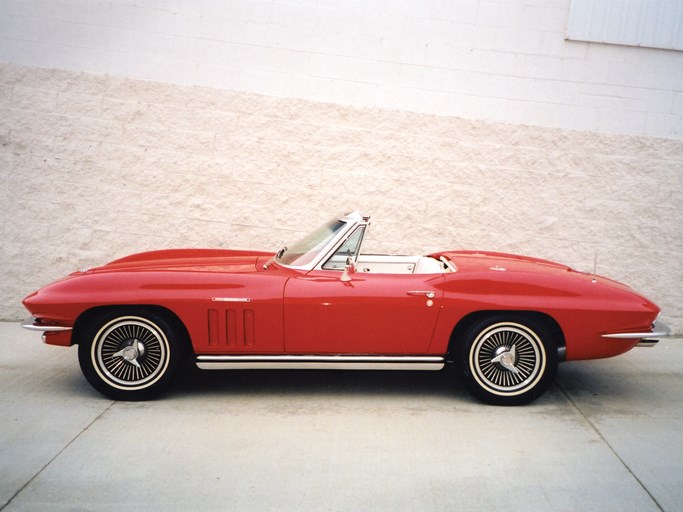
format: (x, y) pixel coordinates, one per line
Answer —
(321, 382)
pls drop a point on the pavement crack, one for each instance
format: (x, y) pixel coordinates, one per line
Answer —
(607, 443)
(47, 464)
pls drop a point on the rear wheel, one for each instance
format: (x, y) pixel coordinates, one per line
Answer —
(507, 359)
(130, 355)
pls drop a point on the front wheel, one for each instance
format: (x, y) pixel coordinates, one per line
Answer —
(507, 359)
(130, 355)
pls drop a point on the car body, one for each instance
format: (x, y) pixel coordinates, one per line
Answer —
(506, 321)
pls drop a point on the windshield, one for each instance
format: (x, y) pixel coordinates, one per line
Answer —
(308, 248)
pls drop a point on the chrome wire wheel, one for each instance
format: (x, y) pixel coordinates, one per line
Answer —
(507, 360)
(130, 353)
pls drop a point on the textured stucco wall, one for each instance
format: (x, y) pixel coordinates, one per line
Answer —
(497, 60)
(93, 167)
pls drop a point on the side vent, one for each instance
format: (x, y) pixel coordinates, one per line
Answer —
(213, 327)
(231, 327)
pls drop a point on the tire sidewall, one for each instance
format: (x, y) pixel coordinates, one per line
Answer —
(477, 384)
(98, 376)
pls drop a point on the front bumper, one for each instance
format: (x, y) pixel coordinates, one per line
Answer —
(53, 334)
(34, 325)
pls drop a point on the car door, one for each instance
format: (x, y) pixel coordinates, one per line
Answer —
(370, 314)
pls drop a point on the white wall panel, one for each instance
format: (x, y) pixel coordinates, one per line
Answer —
(655, 24)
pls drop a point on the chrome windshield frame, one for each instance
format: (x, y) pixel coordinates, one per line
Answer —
(351, 220)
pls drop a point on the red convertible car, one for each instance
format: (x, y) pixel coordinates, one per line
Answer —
(505, 321)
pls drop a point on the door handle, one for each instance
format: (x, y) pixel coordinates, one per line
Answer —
(426, 293)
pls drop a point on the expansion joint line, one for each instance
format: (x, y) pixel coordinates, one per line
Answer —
(607, 443)
(87, 427)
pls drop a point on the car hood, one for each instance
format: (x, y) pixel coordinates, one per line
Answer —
(197, 260)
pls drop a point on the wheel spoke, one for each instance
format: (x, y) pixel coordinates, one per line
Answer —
(131, 351)
(508, 358)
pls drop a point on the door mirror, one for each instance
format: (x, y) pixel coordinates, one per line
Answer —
(349, 268)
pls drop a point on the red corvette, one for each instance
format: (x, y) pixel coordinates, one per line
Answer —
(505, 321)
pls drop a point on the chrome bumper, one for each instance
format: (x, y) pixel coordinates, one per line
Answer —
(33, 325)
(659, 330)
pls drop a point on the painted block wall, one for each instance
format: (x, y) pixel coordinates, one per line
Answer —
(496, 60)
(94, 167)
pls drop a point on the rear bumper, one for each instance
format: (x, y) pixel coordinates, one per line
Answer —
(647, 338)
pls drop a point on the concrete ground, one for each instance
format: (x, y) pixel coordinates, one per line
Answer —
(607, 436)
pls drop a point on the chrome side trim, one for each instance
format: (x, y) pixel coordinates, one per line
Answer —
(32, 325)
(312, 362)
(659, 330)
(230, 299)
